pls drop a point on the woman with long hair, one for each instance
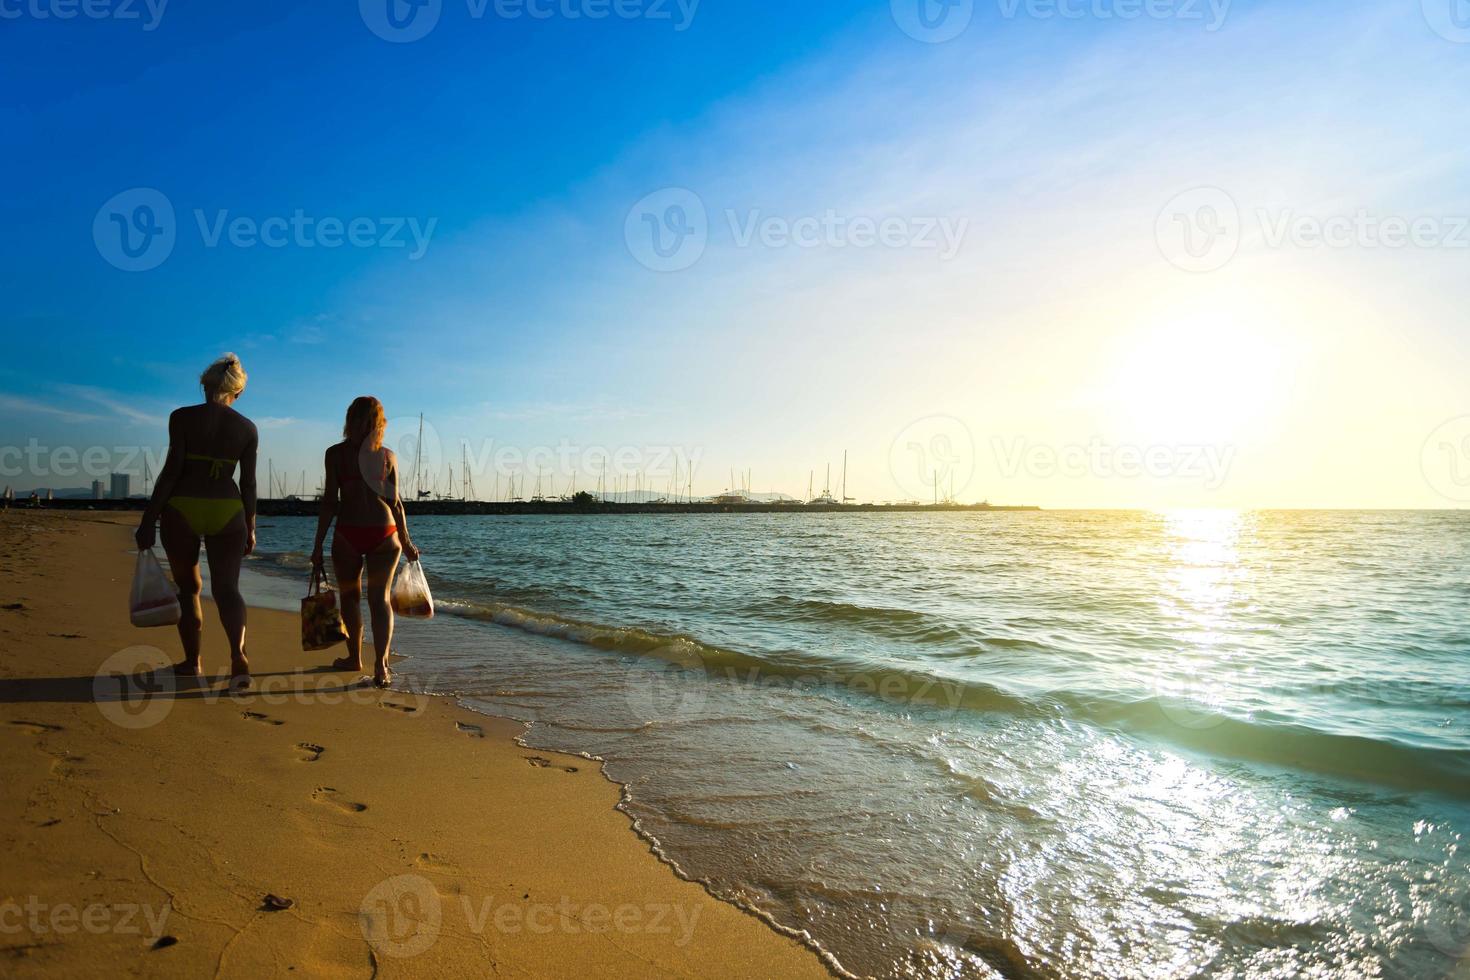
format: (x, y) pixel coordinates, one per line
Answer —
(361, 493)
(197, 499)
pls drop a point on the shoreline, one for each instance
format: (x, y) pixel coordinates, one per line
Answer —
(268, 586)
(298, 507)
(427, 824)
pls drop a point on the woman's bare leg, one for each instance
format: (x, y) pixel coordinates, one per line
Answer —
(226, 551)
(181, 545)
(347, 564)
(380, 567)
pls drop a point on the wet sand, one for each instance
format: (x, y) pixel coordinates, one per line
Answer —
(314, 827)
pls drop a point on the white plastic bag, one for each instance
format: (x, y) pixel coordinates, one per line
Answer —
(411, 596)
(154, 602)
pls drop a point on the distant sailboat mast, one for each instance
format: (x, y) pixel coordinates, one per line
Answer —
(418, 459)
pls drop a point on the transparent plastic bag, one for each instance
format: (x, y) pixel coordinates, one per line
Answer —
(411, 596)
(154, 601)
(321, 621)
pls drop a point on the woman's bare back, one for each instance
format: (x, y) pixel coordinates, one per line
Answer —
(367, 482)
(218, 433)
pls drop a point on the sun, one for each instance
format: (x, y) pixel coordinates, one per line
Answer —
(1199, 378)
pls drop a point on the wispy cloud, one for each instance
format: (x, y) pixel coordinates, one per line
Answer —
(112, 404)
(319, 328)
(316, 330)
(10, 403)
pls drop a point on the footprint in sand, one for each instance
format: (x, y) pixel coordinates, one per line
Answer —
(473, 731)
(407, 709)
(263, 719)
(433, 862)
(541, 763)
(326, 794)
(309, 752)
(37, 727)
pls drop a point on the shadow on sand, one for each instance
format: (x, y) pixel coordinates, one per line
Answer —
(148, 687)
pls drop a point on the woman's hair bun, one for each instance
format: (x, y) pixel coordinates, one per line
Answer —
(225, 377)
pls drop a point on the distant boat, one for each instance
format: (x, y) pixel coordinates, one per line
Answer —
(825, 499)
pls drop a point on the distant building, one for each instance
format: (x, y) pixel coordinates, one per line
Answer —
(98, 491)
(121, 486)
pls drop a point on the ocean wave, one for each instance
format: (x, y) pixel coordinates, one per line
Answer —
(1176, 721)
(286, 560)
(906, 624)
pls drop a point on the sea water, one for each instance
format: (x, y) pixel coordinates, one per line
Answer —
(1073, 744)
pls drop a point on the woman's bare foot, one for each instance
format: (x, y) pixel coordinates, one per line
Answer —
(239, 672)
(383, 677)
(188, 668)
(348, 663)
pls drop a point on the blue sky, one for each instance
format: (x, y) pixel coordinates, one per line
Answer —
(521, 316)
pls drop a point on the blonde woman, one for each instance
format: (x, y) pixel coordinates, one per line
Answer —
(197, 499)
(361, 493)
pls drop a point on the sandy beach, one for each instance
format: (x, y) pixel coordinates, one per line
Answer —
(313, 827)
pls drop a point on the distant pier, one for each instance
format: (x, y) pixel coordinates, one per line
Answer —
(291, 507)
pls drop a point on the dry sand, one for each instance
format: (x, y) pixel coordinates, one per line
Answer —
(410, 836)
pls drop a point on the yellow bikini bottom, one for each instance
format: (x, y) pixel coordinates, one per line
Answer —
(207, 516)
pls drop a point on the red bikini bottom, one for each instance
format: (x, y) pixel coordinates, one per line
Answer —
(365, 540)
